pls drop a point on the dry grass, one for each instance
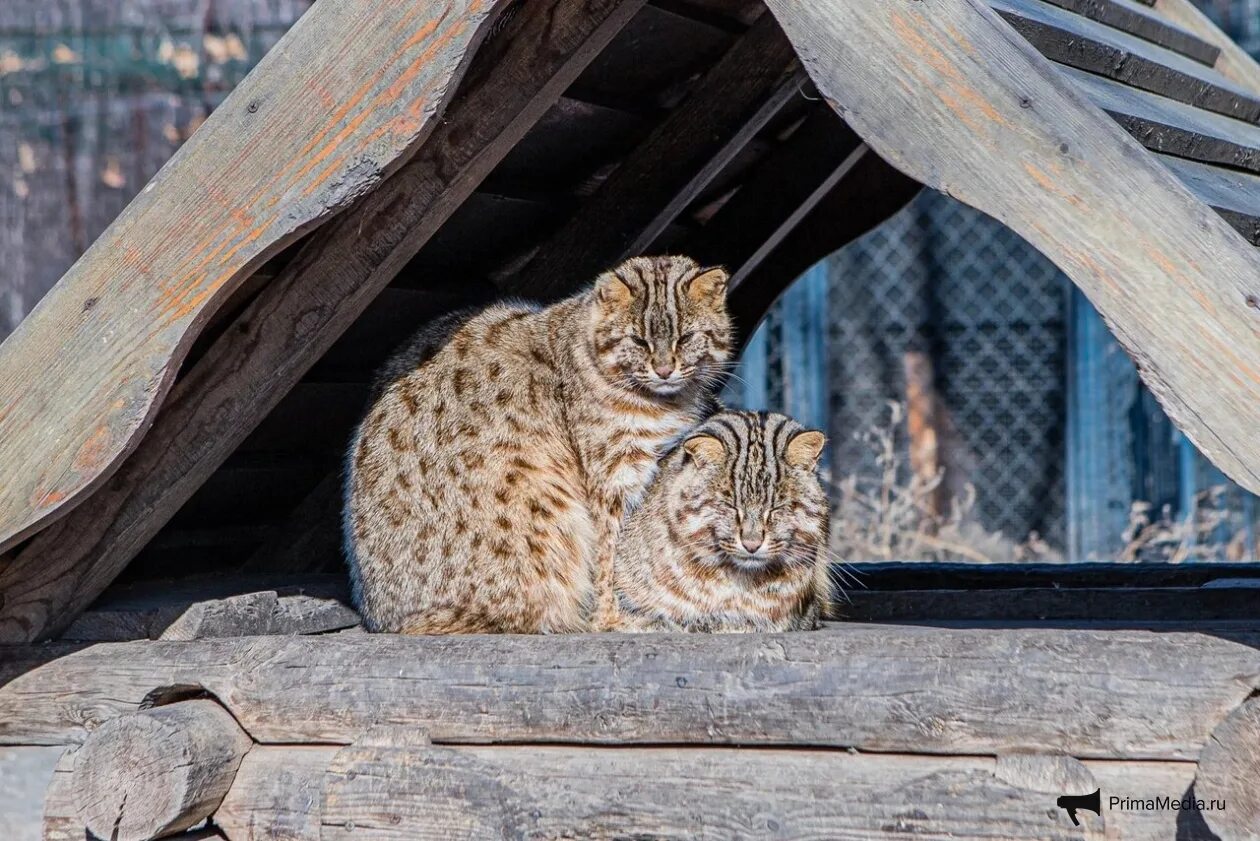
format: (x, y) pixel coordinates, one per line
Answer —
(1210, 531)
(891, 514)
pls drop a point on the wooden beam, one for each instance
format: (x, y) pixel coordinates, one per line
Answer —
(280, 792)
(1089, 694)
(952, 98)
(297, 318)
(652, 187)
(1234, 63)
(1132, 19)
(872, 192)
(381, 792)
(333, 109)
(1079, 42)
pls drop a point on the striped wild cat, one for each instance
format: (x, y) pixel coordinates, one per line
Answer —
(732, 534)
(487, 484)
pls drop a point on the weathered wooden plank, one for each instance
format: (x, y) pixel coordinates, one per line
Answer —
(277, 795)
(1130, 800)
(968, 576)
(298, 316)
(1000, 129)
(649, 190)
(25, 773)
(1234, 63)
(157, 772)
(1165, 125)
(1110, 606)
(1228, 769)
(329, 113)
(227, 606)
(870, 193)
(779, 193)
(1128, 16)
(60, 816)
(558, 792)
(882, 688)
(1081, 43)
(1234, 195)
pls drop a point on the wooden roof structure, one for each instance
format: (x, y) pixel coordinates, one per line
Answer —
(180, 399)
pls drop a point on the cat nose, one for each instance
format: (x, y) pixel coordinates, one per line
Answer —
(751, 542)
(664, 370)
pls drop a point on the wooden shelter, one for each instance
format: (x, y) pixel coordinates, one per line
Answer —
(178, 403)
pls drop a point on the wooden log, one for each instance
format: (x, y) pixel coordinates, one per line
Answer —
(157, 772)
(332, 110)
(999, 128)
(1090, 694)
(277, 795)
(301, 313)
(25, 775)
(561, 792)
(648, 191)
(1228, 770)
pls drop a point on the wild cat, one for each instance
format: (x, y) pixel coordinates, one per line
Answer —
(487, 484)
(732, 534)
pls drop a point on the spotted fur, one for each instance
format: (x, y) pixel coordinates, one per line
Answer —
(731, 536)
(486, 486)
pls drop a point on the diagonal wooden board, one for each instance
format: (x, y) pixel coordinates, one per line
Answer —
(294, 320)
(332, 110)
(951, 95)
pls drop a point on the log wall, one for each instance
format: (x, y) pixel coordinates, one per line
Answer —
(854, 731)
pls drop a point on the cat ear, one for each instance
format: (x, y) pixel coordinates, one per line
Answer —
(805, 448)
(705, 449)
(709, 286)
(611, 291)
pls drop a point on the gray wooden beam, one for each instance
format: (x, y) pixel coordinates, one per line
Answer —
(998, 127)
(1090, 694)
(298, 316)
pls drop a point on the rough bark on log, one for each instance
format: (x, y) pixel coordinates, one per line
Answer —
(1090, 694)
(157, 772)
(1229, 769)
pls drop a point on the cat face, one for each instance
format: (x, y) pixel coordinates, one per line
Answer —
(659, 325)
(748, 491)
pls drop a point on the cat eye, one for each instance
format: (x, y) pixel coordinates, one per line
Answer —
(639, 341)
(688, 336)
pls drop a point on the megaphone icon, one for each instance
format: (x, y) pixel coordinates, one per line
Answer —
(1072, 802)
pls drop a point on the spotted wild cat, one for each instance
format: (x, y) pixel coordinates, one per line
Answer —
(732, 534)
(486, 486)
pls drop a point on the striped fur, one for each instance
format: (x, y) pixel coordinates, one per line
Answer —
(732, 534)
(487, 484)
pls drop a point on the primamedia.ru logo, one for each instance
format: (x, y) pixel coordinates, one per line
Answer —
(1164, 804)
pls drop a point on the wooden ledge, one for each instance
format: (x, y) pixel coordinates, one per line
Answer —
(1088, 693)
